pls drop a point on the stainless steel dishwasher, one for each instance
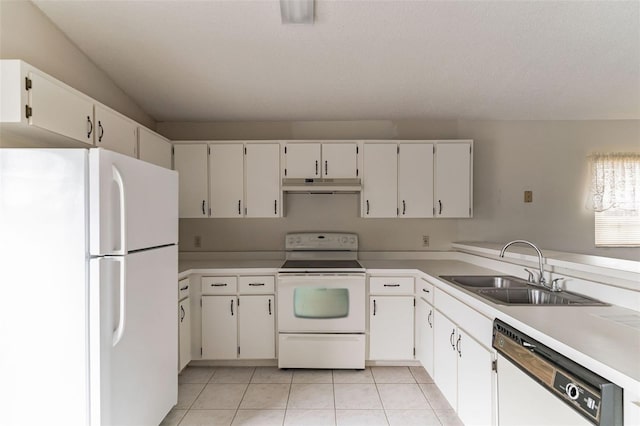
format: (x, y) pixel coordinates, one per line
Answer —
(538, 386)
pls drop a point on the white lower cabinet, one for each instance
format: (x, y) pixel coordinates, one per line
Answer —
(236, 325)
(219, 327)
(391, 328)
(184, 333)
(256, 327)
(463, 372)
(424, 331)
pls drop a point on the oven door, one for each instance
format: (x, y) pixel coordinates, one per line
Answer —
(325, 303)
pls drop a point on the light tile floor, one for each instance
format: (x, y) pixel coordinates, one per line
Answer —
(266, 396)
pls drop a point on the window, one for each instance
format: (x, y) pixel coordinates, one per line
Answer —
(615, 197)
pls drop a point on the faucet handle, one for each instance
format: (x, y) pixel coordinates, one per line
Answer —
(554, 284)
(532, 276)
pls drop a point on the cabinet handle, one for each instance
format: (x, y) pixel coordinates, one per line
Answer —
(326, 167)
(425, 290)
(374, 307)
(203, 207)
(90, 127)
(275, 207)
(429, 318)
(458, 346)
(404, 207)
(392, 285)
(182, 312)
(269, 306)
(219, 285)
(440, 208)
(256, 284)
(453, 333)
(186, 287)
(367, 206)
(231, 307)
(316, 167)
(100, 131)
(239, 207)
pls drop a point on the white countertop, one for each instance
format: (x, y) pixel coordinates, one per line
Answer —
(607, 347)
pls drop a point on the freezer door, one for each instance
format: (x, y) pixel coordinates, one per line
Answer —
(133, 204)
(134, 337)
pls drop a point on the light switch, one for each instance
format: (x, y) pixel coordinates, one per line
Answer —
(528, 196)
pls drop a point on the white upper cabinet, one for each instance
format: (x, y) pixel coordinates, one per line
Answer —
(303, 160)
(190, 161)
(262, 180)
(340, 160)
(453, 171)
(116, 132)
(415, 180)
(226, 179)
(380, 180)
(154, 148)
(315, 160)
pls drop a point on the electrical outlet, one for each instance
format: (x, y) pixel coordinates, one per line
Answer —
(528, 196)
(425, 241)
(197, 241)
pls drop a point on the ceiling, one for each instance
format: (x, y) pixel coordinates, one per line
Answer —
(365, 59)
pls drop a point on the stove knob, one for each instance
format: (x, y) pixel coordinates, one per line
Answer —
(344, 240)
(572, 391)
(352, 240)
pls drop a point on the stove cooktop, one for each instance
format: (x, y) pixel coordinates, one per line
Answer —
(321, 264)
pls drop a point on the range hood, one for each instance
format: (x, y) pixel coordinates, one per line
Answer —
(321, 185)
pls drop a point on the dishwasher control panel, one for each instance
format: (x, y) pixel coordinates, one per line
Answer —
(575, 393)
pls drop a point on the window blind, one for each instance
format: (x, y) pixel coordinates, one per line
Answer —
(615, 228)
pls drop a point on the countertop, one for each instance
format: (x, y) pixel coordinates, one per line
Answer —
(581, 333)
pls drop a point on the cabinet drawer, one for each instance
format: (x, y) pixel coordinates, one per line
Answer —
(259, 284)
(424, 289)
(183, 288)
(219, 285)
(391, 285)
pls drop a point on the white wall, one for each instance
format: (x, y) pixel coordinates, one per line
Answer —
(550, 159)
(27, 34)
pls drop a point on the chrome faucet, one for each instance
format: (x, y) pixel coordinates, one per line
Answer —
(541, 281)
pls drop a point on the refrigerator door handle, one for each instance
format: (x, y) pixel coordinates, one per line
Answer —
(121, 248)
(118, 331)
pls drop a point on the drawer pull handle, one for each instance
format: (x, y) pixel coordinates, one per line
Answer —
(186, 287)
(425, 290)
(392, 285)
(256, 284)
(219, 285)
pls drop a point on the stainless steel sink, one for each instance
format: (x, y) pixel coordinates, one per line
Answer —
(486, 281)
(508, 290)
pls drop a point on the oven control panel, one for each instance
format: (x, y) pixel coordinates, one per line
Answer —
(321, 241)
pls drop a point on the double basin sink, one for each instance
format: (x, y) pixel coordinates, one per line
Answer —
(508, 290)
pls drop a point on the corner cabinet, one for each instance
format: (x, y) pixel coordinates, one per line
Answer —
(453, 176)
(153, 148)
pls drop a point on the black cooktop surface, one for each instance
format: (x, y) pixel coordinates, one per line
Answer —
(322, 264)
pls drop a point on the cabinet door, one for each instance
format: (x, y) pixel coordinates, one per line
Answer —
(391, 328)
(115, 132)
(262, 180)
(415, 180)
(191, 163)
(226, 179)
(302, 160)
(445, 358)
(340, 160)
(153, 148)
(380, 180)
(184, 331)
(475, 381)
(219, 327)
(60, 110)
(453, 180)
(256, 327)
(424, 334)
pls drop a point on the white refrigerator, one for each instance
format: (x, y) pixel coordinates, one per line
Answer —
(88, 283)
